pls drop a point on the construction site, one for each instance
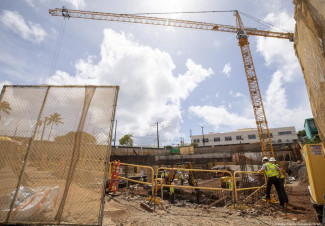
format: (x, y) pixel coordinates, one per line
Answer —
(60, 165)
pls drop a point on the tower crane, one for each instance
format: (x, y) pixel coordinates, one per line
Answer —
(242, 34)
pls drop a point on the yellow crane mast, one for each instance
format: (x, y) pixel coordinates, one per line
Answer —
(242, 36)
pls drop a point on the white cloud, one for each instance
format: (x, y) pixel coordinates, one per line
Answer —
(280, 54)
(227, 69)
(219, 117)
(276, 104)
(77, 4)
(30, 2)
(237, 94)
(217, 95)
(29, 31)
(149, 92)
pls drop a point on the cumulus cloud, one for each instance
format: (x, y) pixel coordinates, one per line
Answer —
(77, 4)
(220, 117)
(227, 69)
(149, 91)
(29, 31)
(235, 94)
(280, 55)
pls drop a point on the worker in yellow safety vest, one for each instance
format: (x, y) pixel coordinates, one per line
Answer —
(171, 194)
(229, 183)
(282, 179)
(273, 173)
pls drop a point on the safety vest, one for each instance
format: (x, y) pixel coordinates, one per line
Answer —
(229, 184)
(271, 171)
(282, 173)
(171, 190)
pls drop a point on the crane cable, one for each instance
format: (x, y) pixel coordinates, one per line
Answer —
(138, 14)
(266, 24)
(57, 48)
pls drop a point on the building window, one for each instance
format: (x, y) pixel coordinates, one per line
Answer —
(228, 138)
(271, 135)
(206, 140)
(279, 140)
(196, 140)
(252, 136)
(285, 133)
(312, 125)
(239, 138)
(216, 139)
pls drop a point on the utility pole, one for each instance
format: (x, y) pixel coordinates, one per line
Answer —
(115, 132)
(203, 136)
(157, 136)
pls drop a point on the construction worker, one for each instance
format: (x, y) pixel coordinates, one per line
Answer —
(282, 179)
(273, 173)
(171, 194)
(229, 182)
(181, 177)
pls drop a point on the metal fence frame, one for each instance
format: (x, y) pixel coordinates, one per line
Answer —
(249, 188)
(153, 183)
(100, 218)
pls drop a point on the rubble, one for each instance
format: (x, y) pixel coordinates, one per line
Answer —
(122, 211)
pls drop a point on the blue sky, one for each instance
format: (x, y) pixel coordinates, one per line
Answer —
(181, 78)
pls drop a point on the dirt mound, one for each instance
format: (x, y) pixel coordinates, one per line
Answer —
(298, 171)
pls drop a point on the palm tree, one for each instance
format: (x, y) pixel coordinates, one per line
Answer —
(44, 124)
(38, 125)
(54, 119)
(5, 107)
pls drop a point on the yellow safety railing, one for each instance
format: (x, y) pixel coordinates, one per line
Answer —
(196, 187)
(154, 180)
(249, 188)
(136, 181)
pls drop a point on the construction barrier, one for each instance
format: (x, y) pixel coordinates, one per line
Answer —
(136, 181)
(249, 188)
(154, 180)
(197, 187)
(55, 143)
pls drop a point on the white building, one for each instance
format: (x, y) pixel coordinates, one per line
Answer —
(281, 135)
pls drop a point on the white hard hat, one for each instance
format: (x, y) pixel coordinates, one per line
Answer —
(272, 159)
(265, 158)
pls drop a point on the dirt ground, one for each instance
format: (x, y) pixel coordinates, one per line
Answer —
(125, 210)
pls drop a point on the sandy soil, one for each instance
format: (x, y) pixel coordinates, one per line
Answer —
(125, 210)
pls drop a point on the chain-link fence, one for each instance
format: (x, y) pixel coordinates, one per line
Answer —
(55, 143)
